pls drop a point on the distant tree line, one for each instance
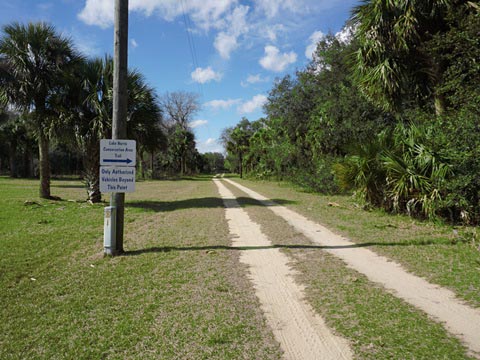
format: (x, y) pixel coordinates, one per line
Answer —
(392, 114)
(56, 105)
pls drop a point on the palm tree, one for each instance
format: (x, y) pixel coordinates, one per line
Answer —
(88, 108)
(393, 61)
(36, 59)
(85, 110)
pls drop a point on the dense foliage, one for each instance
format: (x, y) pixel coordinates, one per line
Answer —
(392, 114)
(52, 96)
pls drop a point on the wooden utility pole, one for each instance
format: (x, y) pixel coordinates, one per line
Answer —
(119, 123)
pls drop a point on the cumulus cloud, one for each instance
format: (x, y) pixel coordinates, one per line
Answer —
(205, 14)
(271, 8)
(98, 13)
(209, 145)
(276, 61)
(250, 106)
(203, 76)
(227, 41)
(225, 44)
(197, 123)
(222, 104)
(254, 79)
(314, 39)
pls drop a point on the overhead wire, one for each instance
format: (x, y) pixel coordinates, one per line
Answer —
(191, 43)
(193, 52)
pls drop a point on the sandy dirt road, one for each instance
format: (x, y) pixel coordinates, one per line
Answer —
(301, 333)
(439, 303)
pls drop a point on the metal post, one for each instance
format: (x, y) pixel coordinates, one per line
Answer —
(119, 123)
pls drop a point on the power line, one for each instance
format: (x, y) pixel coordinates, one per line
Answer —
(191, 44)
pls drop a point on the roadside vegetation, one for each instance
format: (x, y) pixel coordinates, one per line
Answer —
(389, 111)
(177, 293)
(56, 105)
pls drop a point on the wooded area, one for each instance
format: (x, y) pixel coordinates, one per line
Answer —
(392, 113)
(56, 105)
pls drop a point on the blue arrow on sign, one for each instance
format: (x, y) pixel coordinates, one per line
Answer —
(126, 161)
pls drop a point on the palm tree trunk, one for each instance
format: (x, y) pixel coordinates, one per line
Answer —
(440, 104)
(12, 158)
(182, 164)
(240, 158)
(152, 156)
(91, 176)
(43, 147)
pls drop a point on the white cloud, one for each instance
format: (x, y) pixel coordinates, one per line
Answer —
(205, 14)
(254, 79)
(345, 35)
(314, 39)
(271, 32)
(275, 61)
(225, 44)
(209, 145)
(250, 106)
(134, 43)
(237, 20)
(203, 76)
(222, 104)
(271, 8)
(197, 123)
(98, 13)
(227, 41)
(277, 8)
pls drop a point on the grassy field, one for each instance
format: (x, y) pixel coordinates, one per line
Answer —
(173, 296)
(181, 293)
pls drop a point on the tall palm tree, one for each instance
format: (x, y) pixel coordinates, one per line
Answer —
(393, 61)
(88, 107)
(36, 59)
(86, 111)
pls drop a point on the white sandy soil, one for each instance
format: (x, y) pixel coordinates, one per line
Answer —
(301, 333)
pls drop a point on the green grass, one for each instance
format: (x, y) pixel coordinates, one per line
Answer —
(180, 291)
(173, 296)
(432, 251)
(377, 324)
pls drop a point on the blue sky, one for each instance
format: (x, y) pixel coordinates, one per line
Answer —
(228, 51)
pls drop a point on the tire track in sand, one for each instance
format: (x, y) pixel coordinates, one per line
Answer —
(439, 303)
(301, 333)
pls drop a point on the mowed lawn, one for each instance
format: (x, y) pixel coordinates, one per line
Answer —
(180, 291)
(177, 294)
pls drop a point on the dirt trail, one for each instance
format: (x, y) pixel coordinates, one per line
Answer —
(439, 303)
(301, 333)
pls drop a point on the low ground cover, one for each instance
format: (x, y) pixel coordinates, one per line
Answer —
(175, 295)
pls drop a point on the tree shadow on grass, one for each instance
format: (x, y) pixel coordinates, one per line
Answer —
(164, 249)
(197, 203)
(68, 186)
